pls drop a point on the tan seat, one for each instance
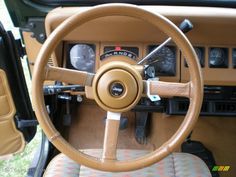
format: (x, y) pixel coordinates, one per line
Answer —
(175, 165)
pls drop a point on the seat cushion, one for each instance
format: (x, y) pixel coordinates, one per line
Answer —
(174, 165)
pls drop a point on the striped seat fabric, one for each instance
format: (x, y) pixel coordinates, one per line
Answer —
(175, 165)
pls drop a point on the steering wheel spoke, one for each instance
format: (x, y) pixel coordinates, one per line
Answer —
(69, 76)
(111, 136)
(167, 89)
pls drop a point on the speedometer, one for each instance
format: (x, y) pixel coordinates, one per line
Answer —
(164, 61)
(82, 57)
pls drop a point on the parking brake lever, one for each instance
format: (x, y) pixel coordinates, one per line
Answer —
(185, 26)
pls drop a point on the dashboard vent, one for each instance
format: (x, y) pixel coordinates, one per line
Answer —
(205, 107)
(182, 106)
(50, 62)
(178, 106)
(225, 107)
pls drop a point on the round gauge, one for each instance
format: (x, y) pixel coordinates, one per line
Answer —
(82, 57)
(200, 51)
(217, 57)
(200, 54)
(166, 61)
(234, 57)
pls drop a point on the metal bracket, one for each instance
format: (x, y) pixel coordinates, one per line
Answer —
(152, 97)
(36, 26)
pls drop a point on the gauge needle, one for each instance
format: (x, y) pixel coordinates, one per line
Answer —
(154, 61)
(185, 26)
(147, 57)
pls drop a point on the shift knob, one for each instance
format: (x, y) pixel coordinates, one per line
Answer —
(185, 26)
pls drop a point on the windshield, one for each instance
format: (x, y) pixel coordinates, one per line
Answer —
(215, 3)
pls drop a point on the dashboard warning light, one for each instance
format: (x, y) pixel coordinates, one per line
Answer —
(117, 48)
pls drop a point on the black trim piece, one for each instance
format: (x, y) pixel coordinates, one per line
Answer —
(178, 106)
(36, 26)
(146, 105)
(26, 123)
(207, 3)
(10, 62)
(218, 101)
(56, 89)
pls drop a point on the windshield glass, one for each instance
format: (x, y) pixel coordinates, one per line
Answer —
(215, 3)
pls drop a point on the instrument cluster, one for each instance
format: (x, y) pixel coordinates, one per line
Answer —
(84, 56)
(130, 52)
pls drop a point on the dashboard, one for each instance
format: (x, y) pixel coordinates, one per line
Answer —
(213, 37)
(127, 39)
(82, 56)
(168, 62)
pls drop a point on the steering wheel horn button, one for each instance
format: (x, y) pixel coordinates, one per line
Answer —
(117, 89)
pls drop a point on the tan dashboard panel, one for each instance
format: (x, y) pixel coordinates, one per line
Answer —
(12, 140)
(212, 27)
(213, 76)
(32, 47)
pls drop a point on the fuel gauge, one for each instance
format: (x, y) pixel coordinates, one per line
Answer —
(218, 57)
(200, 51)
(234, 57)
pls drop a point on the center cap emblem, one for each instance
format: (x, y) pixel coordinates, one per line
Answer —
(116, 89)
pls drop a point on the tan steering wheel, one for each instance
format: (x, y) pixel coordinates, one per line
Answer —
(117, 87)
